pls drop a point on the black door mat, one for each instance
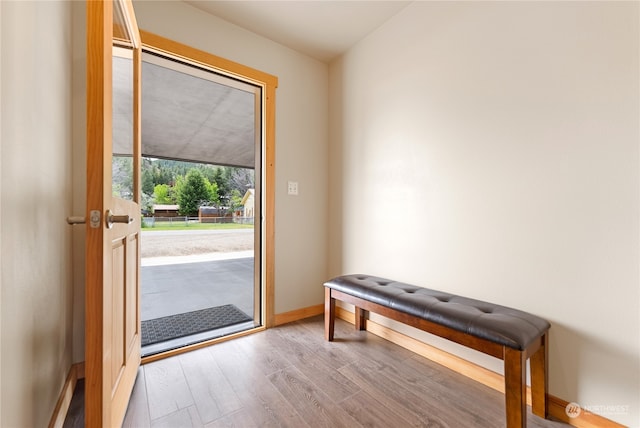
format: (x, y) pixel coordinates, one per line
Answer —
(180, 325)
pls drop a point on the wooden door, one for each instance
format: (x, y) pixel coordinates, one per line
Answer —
(112, 250)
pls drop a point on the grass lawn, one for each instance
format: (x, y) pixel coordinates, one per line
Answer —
(181, 225)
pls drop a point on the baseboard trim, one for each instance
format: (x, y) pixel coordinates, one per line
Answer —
(298, 314)
(556, 406)
(62, 406)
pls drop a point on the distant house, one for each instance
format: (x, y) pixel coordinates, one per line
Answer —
(161, 210)
(207, 214)
(248, 203)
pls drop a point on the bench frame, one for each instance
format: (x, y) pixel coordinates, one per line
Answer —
(515, 361)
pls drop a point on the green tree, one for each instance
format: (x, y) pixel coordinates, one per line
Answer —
(122, 177)
(192, 193)
(161, 194)
(213, 192)
(174, 191)
(221, 178)
(236, 200)
(146, 204)
(208, 171)
(147, 177)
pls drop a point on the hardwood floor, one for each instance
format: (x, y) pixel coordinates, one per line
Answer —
(290, 376)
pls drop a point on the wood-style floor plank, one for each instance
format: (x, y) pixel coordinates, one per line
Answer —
(418, 410)
(259, 396)
(358, 342)
(289, 376)
(370, 412)
(186, 418)
(167, 388)
(235, 420)
(263, 354)
(314, 406)
(430, 388)
(319, 367)
(302, 342)
(138, 411)
(213, 394)
(485, 404)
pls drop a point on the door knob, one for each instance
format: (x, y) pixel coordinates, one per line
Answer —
(110, 219)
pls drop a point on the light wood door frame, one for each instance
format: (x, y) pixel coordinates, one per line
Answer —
(268, 83)
(112, 254)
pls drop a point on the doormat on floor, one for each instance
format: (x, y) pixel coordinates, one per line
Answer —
(180, 325)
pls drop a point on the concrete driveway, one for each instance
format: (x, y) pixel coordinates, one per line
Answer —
(169, 289)
(185, 271)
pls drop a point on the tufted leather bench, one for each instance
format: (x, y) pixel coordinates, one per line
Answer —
(509, 334)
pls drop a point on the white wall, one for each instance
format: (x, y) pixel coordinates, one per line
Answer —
(491, 150)
(301, 139)
(79, 171)
(35, 199)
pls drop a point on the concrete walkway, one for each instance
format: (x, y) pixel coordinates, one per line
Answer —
(189, 284)
(207, 257)
(176, 281)
(175, 285)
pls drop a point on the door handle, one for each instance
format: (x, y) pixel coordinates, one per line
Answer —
(76, 220)
(110, 219)
(94, 219)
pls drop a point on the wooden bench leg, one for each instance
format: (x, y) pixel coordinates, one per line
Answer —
(329, 314)
(360, 319)
(539, 379)
(515, 387)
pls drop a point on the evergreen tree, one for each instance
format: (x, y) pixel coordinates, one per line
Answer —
(213, 192)
(147, 180)
(193, 193)
(221, 177)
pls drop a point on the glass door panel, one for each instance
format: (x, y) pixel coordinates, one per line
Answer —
(123, 136)
(201, 245)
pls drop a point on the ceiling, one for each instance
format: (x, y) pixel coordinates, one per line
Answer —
(188, 114)
(321, 29)
(191, 115)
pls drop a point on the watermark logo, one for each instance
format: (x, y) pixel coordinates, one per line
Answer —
(573, 410)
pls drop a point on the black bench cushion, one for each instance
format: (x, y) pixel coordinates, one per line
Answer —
(499, 324)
